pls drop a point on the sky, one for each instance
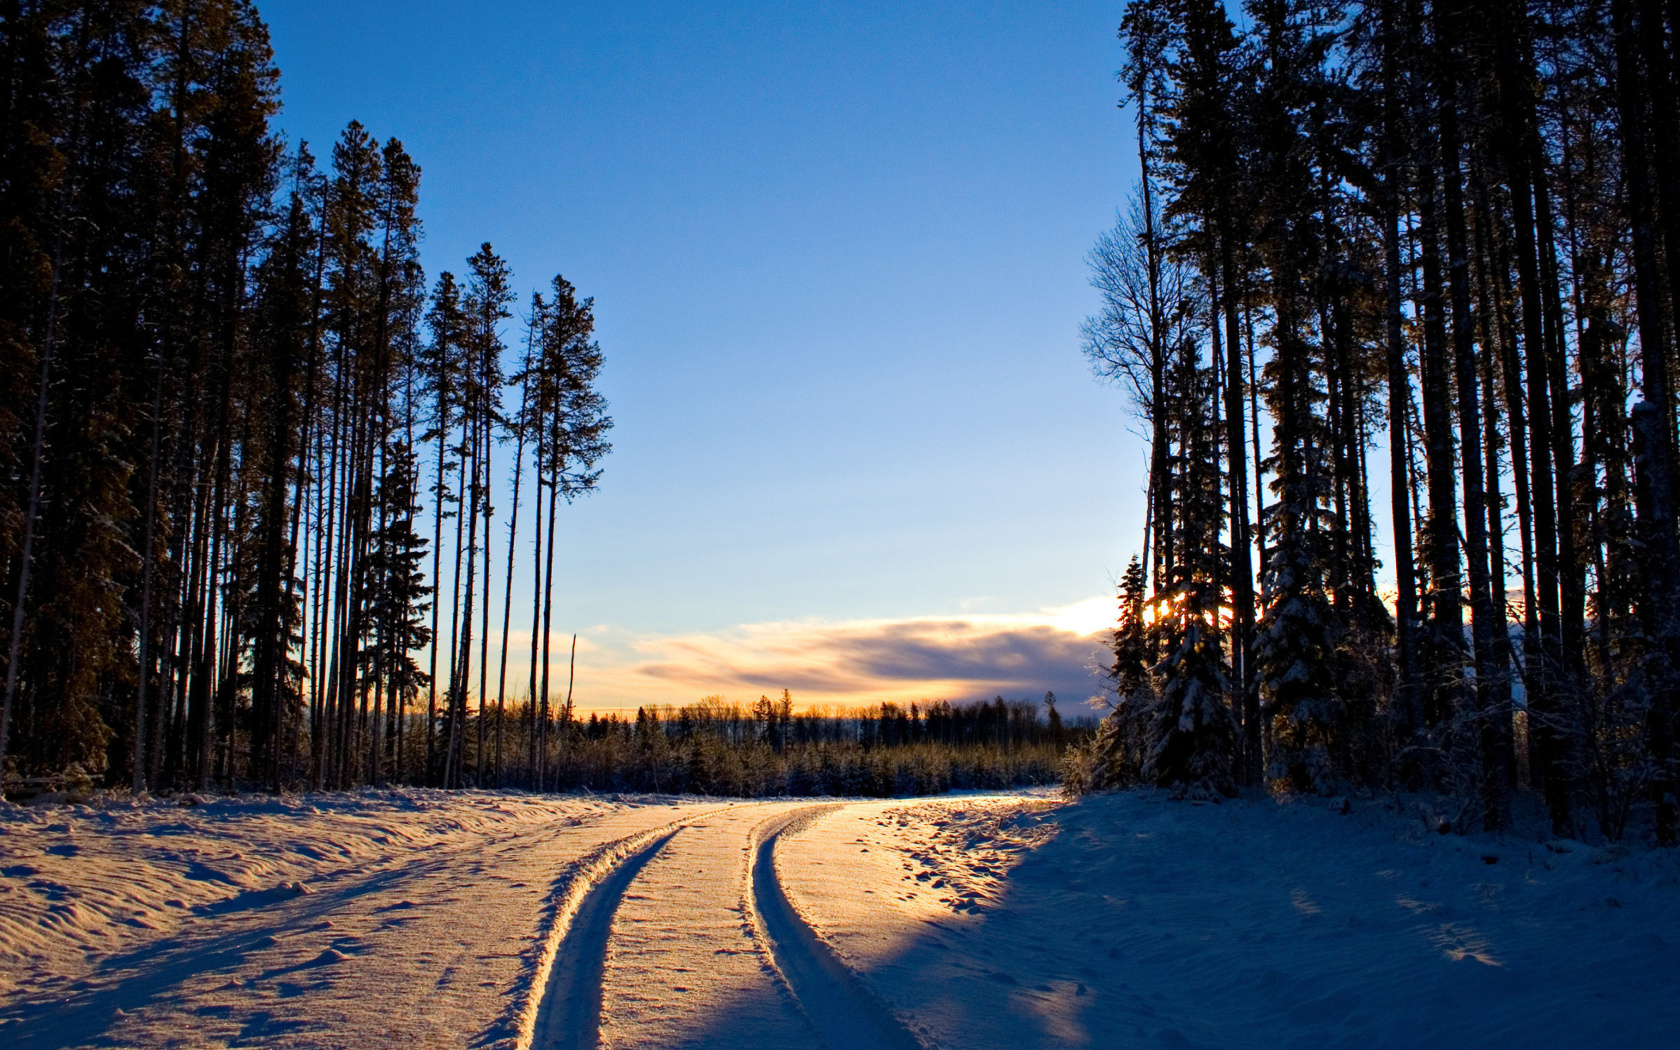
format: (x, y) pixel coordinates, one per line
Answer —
(837, 253)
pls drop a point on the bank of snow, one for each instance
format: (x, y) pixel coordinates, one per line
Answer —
(79, 882)
(1128, 919)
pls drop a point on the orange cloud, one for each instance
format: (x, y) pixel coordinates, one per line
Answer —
(852, 662)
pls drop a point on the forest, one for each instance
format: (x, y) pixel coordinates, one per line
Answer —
(770, 749)
(241, 438)
(303, 741)
(1401, 273)
(1392, 301)
(267, 489)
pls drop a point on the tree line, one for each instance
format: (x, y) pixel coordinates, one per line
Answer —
(718, 748)
(253, 470)
(1444, 232)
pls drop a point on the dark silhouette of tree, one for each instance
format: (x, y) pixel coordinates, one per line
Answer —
(217, 402)
(1448, 229)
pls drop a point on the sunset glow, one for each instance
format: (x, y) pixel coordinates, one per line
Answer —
(850, 662)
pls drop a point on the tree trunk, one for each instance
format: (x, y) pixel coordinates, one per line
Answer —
(1490, 679)
(1446, 633)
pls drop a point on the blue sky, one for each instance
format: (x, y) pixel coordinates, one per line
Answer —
(837, 255)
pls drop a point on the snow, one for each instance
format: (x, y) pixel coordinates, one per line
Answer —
(681, 966)
(420, 917)
(1131, 919)
(1007, 919)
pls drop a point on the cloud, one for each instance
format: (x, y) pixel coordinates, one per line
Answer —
(853, 662)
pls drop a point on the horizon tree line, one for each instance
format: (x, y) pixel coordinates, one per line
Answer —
(241, 445)
(1447, 232)
(715, 747)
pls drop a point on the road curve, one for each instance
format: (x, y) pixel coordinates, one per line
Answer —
(682, 935)
(408, 949)
(569, 1011)
(683, 967)
(835, 999)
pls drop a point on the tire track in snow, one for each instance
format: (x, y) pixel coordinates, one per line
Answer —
(563, 1009)
(220, 939)
(835, 998)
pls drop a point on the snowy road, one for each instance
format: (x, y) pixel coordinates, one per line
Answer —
(516, 924)
(512, 922)
(688, 940)
(431, 946)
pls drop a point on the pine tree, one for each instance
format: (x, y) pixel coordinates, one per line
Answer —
(285, 305)
(397, 597)
(484, 307)
(570, 418)
(1115, 755)
(1191, 732)
(212, 381)
(442, 365)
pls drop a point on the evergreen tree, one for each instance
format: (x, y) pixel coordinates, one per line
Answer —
(214, 391)
(1191, 730)
(398, 593)
(1457, 219)
(570, 418)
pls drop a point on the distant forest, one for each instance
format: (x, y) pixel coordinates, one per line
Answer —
(717, 748)
(240, 439)
(1398, 268)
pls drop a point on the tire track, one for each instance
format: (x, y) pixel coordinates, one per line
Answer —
(835, 998)
(563, 1008)
(569, 1015)
(220, 937)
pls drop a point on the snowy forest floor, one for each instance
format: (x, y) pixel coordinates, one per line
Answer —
(494, 920)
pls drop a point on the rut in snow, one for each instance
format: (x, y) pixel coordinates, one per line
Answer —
(569, 1013)
(564, 1008)
(838, 1003)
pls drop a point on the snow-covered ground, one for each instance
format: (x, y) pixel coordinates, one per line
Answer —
(1131, 920)
(985, 920)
